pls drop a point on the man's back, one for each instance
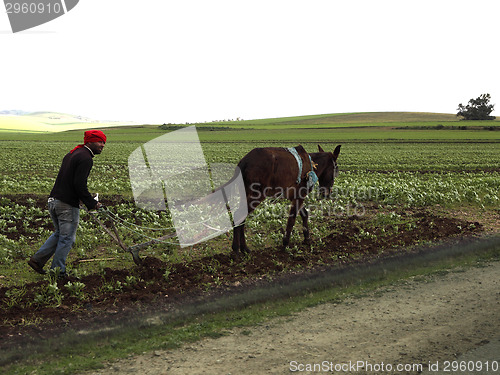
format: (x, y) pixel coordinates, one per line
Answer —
(71, 183)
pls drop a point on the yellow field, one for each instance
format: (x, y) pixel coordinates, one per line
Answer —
(49, 122)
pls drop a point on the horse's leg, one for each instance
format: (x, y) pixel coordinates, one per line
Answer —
(239, 242)
(304, 214)
(243, 244)
(296, 205)
(236, 239)
(240, 216)
(253, 202)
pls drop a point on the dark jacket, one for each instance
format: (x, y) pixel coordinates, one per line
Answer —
(71, 182)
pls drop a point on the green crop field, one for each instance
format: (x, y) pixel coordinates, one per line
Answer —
(404, 179)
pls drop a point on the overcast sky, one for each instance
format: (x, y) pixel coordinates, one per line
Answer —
(156, 61)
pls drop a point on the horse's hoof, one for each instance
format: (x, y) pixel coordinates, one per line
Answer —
(238, 253)
(284, 249)
(245, 250)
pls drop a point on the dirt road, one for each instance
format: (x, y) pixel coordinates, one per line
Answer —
(420, 322)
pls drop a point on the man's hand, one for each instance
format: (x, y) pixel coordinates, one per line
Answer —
(98, 205)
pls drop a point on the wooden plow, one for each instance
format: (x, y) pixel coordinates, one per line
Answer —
(134, 249)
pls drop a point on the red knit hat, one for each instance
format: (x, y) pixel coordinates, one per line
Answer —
(91, 136)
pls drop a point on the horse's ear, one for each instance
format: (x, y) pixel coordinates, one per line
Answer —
(336, 152)
(320, 149)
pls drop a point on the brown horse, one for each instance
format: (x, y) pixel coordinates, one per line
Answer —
(274, 172)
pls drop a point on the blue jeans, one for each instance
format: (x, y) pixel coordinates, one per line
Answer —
(65, 218)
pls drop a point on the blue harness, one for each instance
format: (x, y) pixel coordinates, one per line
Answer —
(312, 178)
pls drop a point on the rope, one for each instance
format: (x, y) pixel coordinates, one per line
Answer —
(116, 219)
(131, 227)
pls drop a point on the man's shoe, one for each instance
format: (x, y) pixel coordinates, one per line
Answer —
(38, 268)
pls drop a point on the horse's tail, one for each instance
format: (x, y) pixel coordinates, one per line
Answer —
(232, 194)
(237, 172)
(222, 188)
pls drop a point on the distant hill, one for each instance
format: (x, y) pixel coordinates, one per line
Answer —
(14, 112)
(340, 120)
(358, 117)
(16, 120)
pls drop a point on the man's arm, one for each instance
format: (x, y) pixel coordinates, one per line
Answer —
(80, 183)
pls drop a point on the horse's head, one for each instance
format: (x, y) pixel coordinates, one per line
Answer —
(327, 169)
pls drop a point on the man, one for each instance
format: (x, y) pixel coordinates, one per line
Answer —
(69, 190)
